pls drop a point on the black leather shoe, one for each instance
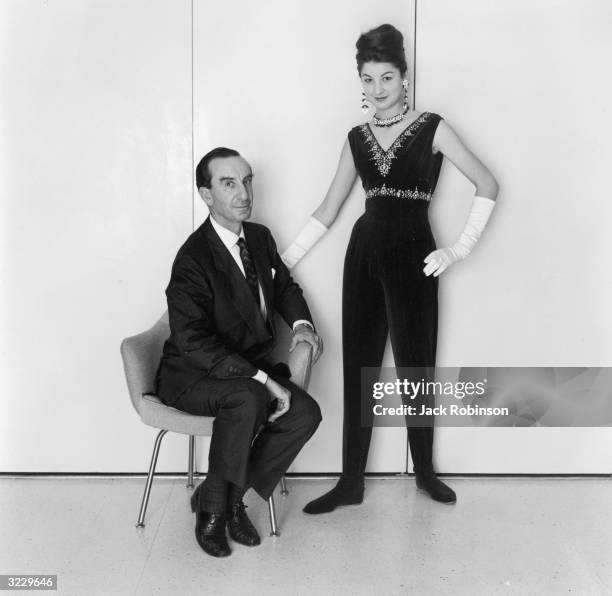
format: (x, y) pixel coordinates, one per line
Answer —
(210, 533)
(346, 492)
(240, 527)
(436, 489)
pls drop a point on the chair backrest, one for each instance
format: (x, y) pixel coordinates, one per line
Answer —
(141, 354)
(300, 364)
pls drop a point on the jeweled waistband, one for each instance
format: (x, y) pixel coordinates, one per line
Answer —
(385, 191)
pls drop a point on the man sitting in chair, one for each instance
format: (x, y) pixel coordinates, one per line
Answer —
(227, 281)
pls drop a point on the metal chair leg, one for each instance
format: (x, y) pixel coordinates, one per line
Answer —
(147, 492)
(272, 509)
(284, 490)
(191, 461)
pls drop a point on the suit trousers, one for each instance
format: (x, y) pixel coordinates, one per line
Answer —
(385, 292)
(240, 452)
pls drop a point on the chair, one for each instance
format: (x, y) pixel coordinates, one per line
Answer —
(141, 354)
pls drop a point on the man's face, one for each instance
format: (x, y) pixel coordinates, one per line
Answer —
(230, 196)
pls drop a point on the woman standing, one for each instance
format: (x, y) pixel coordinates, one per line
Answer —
(391, 267)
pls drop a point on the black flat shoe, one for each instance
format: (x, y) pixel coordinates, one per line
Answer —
(346, 492)
(240, 527)
(210, 533)
(436, 489)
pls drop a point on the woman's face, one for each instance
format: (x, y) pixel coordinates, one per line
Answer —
(382, 85)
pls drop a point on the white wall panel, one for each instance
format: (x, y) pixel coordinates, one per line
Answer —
(95, 167)
(523, 84)
(277, 80)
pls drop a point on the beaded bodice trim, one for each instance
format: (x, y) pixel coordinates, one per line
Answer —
(385, 191)
(384, 158)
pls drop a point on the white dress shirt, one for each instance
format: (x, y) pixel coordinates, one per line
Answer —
(230, 241)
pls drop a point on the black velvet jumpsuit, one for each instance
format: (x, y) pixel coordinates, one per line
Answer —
(384, 288)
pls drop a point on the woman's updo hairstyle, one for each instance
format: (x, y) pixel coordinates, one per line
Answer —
(382, 44)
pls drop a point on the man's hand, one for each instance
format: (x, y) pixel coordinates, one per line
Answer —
(305, 333)
(283, 397)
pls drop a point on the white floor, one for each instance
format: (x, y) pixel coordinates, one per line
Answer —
(504, 536)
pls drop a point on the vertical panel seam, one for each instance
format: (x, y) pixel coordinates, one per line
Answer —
(414, 56)
(192, 129)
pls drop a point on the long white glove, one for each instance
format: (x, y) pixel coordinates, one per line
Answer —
(306, 239)
(439, 260)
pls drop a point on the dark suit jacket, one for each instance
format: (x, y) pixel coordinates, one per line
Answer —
(216, 327)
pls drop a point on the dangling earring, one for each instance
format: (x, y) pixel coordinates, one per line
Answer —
(405, 84)
(364, 103)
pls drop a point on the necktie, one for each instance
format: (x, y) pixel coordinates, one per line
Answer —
(249, 268)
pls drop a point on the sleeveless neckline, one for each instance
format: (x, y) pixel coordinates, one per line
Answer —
(383, 158)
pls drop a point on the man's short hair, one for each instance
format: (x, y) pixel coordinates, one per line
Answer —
(202, 173)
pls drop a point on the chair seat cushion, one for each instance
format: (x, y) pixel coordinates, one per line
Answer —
(154, 413)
